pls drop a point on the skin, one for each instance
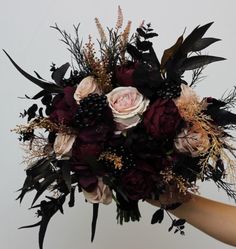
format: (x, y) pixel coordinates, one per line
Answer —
(213, 218)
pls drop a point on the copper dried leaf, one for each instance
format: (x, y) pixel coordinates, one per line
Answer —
(170, 52)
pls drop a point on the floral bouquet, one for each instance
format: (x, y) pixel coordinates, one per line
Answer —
(125, 126)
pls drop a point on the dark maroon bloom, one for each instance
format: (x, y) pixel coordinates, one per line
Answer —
(162, 119)
(64, 107)
(139, 182)
(124, 74)
(81, 153)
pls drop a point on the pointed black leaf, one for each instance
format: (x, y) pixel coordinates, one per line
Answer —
(94, 220)
(40, 112)
(179, 222)
(38, 95)
(46, 100)
(43, 186)
(143, 45)
(194, 36)
(65, 169)
(32, 112)
(30, 226)
(43, 84)
(203, 43)
(38, 75)
(157, 216)
(141, 32)
(150, 35)
(199, 61)
(72, 197)
(133, 51)
(59, 73)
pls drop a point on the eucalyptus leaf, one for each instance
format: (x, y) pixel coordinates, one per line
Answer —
(158, 216)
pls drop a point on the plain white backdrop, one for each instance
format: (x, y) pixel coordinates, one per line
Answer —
(26, 35)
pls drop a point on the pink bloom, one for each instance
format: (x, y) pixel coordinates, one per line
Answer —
(127, 104)
(86, 86)
(101, 194)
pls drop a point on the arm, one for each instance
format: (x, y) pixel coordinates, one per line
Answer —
(214, 218)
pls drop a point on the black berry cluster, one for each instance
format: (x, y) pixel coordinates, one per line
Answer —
(91, 110)
(169, 90)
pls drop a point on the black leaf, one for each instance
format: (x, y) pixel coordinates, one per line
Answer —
(198, 61)
(38, 75)
(141, 32)
(39, 94)
(179, 222)
(30, 226)
(32, 112)
(203, 43)
(72, 197)
(46, 100)
(150, 35)
(144, 45)
(94, 220)
(133, 51)
(157, 216)
(65, 169)
(41, 83)
(59, 73)
(195, 35)
(42, 186)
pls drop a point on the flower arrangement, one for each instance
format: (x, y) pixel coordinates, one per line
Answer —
(125, 126)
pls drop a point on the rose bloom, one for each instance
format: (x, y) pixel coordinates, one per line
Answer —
(127, 104)
(86, 86)
(162, 119)
(192, 142)
(124, 74)
(63, 145)
(101, 194)
(64, 107)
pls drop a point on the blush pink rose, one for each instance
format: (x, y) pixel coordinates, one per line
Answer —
(63, 145)
(101, 194)
(127, 104)
(86, 86)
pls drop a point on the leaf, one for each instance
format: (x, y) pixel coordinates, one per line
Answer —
(39, 94)
(38, 75)
(43, 186)
(194, 36)
(94, 220)
(141, 32)
(179, 222)
(65, 169)
(144, 45)
(199, 61)
(49, 86)
(59, 73)
(133, 51)
(72, 197)
(150, 35)
(203, 43)
(30, 226)
(169, 53)
(32, 111)
(157, 216)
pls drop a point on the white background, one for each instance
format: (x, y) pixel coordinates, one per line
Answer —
(25, 34)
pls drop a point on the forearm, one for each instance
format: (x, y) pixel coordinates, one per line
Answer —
(216, 219)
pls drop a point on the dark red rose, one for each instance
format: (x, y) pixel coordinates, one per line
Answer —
(64, 107)
(124, 74)
(162, 119)
(139, 182)
(81, 153)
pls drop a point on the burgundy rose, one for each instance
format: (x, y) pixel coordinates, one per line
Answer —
(81, 153)
(64, 107)
(162, 119)
(124, 74)
(139, 182)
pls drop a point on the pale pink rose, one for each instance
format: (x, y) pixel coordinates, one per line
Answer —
(102, 194)
(86, 86)
(127, 104)
(63, 145)
(192, 142)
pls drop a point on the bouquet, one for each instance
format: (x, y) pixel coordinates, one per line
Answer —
(124, 126)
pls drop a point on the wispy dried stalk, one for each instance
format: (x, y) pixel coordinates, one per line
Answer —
(101, 31)
(119, 22)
